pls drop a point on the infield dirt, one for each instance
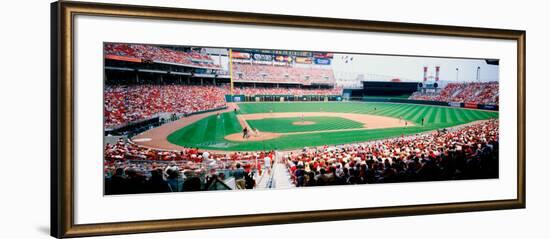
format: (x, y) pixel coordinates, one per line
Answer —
(368, 121)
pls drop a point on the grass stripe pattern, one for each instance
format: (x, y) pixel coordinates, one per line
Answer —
(209, 133)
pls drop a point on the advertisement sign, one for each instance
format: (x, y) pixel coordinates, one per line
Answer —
(262, 62)
(290, 53)
(277, 63)
(262, 57)
(454, 104)
(240, 55)
(470, 105)
(283, 58)
(303, 60)
(323, 55)
(322, 61)
(241, 60)
(488, 107)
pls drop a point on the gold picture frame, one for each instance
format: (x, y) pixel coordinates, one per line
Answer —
(62, 121)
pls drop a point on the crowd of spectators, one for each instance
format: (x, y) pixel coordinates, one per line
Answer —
(286, 91)
(124, 104)
(154, 53)
(129, 168)
(466, 152)
(475, 92)
(282, 74)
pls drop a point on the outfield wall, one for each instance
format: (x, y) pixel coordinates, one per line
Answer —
(430, 102)
(321, 98)
(317, 98)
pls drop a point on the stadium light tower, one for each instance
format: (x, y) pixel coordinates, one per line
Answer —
(457, 74)
(425, 74)
(478, 75)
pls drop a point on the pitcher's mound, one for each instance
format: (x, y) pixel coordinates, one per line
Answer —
(238, 137)
(303, 123)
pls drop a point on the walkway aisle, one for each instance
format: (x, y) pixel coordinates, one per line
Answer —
(261, 181)
(281, 178)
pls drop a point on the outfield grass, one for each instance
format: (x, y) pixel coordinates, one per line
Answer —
(285, 125)
(209, 132)
(206, 132)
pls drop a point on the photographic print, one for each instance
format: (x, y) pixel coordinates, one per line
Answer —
(193, 107)
(191, 118)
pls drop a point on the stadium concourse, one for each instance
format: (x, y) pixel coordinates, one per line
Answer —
(148, 87)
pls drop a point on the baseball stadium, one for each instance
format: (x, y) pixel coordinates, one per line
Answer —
(182, 119)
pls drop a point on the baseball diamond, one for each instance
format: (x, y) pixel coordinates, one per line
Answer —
(209, 132)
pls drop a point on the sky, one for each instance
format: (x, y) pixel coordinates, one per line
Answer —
(411, 68)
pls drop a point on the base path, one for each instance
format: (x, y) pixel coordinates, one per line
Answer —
(242, 122)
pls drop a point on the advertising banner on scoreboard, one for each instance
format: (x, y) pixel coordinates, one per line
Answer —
(262, 57)
(322, 61)
(240, 55)
(281, 58)
(323, 55)
(289, 53)
(303, 60)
